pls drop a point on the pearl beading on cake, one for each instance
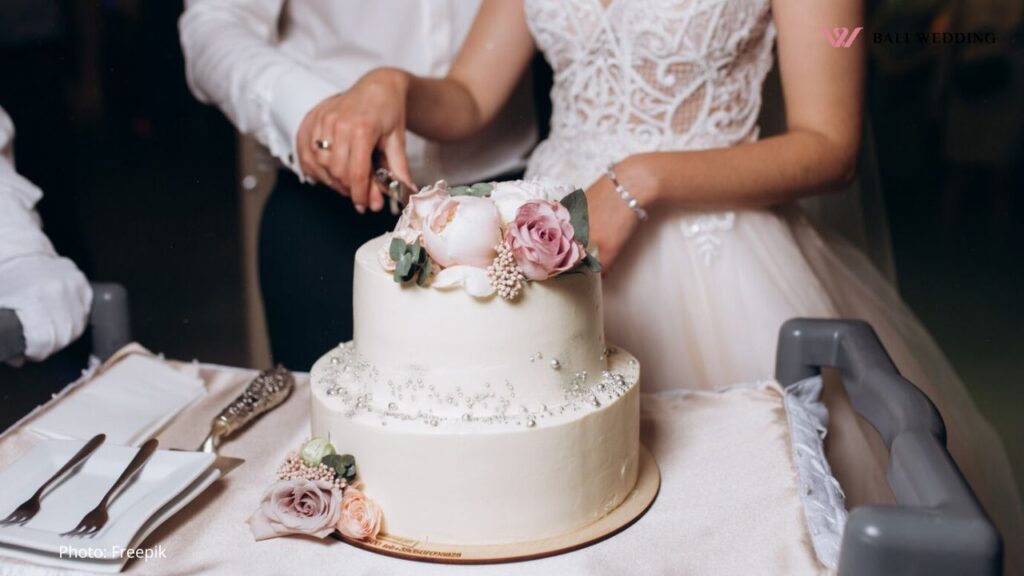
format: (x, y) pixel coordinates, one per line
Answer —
(350, 380)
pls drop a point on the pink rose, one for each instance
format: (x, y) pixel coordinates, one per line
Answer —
(543, 240)
(297, 507)
(463, 230)
(360, 516)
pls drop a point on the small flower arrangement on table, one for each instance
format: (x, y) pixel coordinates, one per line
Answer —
(490, 238)
(316, 494)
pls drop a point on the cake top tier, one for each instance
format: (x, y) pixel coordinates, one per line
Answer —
(490, 239)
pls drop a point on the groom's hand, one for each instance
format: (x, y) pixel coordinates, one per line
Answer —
(341, 134)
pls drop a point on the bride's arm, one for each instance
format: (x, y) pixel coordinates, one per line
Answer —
(376, 111)
(818, 152)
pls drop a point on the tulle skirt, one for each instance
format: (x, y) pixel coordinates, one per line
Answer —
(699, 298)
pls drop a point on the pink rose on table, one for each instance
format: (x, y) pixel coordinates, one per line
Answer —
(360, 516)
(463, 230)
(543, 240)
(297, 507)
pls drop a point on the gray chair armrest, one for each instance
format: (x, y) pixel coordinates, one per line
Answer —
(937, 527)
(109, 319)
(12, 335)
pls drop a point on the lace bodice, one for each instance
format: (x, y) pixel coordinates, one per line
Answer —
(644, 75)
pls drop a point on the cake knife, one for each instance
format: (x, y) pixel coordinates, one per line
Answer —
(398, 192)
(266, 392)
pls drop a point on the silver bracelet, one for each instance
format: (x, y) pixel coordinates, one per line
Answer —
(630, 200)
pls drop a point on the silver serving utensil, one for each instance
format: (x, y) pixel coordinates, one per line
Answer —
(29, 508)
(95, 520)
(266, 392)
(398, 192)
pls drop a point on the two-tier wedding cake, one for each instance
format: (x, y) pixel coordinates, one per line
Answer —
(478, 394)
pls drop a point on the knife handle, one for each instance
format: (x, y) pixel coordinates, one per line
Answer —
(264, 393)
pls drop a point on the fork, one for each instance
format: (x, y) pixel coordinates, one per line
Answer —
(95, 520)
(29, 508)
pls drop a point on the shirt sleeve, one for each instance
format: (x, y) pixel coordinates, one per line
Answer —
(231, 60)
(50, 296)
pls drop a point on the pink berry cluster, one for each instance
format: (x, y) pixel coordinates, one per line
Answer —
(293, 468)
(504, 273)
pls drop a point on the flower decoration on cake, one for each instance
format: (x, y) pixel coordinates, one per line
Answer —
(316, 494)
(490, 238)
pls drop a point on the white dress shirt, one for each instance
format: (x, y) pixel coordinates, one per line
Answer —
(266, 63)
(50, 296)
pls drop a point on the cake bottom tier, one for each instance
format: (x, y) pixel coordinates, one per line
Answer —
(492, 484)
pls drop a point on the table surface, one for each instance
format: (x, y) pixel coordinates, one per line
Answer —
(729, 501)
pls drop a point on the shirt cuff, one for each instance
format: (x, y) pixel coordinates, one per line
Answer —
(295, 93)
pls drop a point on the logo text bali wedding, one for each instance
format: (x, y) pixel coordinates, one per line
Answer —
(844, 37)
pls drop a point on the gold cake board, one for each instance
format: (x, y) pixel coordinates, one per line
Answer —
(637, 503)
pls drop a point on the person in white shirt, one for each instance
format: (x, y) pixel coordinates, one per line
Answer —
(270, 66)
(44, 299)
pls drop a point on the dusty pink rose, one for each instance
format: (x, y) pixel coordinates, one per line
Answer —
(543, 240)
(360, 517)
(463, 230)
(297, 507)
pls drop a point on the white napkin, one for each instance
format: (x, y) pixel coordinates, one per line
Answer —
(129, 402)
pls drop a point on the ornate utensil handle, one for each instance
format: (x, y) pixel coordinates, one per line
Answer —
(264, 393)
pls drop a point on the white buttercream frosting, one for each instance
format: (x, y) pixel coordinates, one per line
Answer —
(481, 421)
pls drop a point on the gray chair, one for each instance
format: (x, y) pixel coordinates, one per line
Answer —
(937, 527)
(109, 323)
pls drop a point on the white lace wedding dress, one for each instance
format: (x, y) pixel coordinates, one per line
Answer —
(700, 297)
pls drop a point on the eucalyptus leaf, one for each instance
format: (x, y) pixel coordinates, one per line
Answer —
(416, 251)
(592, 263)
(344, 465)
(404, 265)
(396, 249)
(576, 204)
(481, 189)
(424, 276)
(458, 191)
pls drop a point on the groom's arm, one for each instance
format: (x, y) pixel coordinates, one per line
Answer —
(231, 61)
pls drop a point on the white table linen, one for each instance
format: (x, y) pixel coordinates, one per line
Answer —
(730, 500)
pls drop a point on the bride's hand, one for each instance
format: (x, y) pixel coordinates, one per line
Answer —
(368, 117)
(612, 221)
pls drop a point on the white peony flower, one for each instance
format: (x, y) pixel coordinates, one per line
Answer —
(509, 196)
(463, 230)
(470, 278)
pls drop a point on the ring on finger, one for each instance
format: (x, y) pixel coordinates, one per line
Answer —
(322, 143)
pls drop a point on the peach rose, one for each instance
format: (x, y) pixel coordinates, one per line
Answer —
(421, 204)
(361, 518)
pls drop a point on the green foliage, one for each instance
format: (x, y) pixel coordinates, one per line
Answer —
(579, 216)
(411, 262)
(344, 465)
(480, 190)
(576, 204)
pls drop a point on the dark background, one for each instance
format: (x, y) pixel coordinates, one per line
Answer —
(141, 183)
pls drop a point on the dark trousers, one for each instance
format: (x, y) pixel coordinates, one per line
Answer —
(308, 240)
